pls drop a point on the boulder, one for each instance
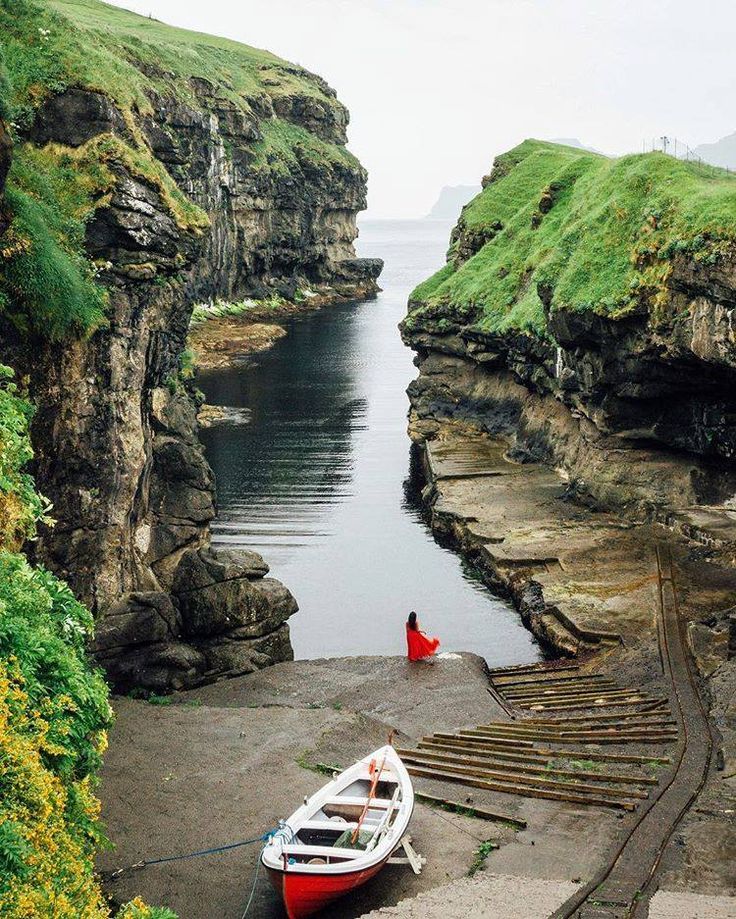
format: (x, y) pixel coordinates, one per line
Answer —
(136, 619)
(217, 594)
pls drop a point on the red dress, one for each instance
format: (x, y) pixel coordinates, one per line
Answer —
(419, 645)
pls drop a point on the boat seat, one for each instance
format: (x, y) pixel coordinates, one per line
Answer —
(322, 851)
(382, 803)
(339, 826)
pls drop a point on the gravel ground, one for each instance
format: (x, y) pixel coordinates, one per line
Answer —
(670, 905)
(482, 897)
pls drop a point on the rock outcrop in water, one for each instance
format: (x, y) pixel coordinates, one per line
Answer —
(586, 312)
(233, 184)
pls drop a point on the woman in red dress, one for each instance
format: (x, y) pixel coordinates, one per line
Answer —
(419, 646)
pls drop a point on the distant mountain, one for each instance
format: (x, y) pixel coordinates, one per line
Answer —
(451, 200)
(721, 153)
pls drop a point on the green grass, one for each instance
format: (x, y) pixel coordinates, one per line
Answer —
(480, 855)
(47, 46)
(305, 761)
(238, 69)
(126, 55)
(46, 282)
(291, 146)
(605, 244)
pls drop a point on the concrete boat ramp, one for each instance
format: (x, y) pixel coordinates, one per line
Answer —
(576, 753)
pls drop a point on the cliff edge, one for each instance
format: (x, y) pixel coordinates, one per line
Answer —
(152, 168)
(585, 311)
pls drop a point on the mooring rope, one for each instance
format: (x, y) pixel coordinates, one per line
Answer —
(252, 890)
(144, 863)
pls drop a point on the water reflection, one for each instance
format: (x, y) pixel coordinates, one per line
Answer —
(277, 475)
(319, 480)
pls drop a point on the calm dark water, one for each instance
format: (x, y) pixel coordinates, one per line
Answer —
(317, 480)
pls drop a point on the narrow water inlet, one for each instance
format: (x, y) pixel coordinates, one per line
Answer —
(316, 477)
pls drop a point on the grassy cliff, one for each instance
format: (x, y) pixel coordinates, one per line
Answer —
(48, 46)
(591, 233)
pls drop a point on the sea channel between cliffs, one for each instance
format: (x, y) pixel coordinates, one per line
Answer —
(573, 438)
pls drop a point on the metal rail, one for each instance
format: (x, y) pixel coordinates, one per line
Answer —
(624, 886)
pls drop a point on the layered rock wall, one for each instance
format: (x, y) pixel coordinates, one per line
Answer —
(115, 431)
(637, 409)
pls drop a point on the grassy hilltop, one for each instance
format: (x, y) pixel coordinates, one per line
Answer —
(599, 233)
(46, 46)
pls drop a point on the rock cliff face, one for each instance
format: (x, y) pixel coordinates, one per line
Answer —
(263, 199)
(634, 404)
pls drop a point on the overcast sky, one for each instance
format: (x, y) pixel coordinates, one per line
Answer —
(436, 88)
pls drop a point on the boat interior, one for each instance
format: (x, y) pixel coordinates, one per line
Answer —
(327, 836)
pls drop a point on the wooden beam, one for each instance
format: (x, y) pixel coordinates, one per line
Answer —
(469, 760)
(587, 690)
(534, 780)
(482, 813)
(570, 719)
(626, 727)
(562, 680)
(520, 756)
(532, 668)
(559, 685)
(567, 706)
(604, 756)
(659, 703)
(546, 753)
(604, 738)
(576, 696)
(500, 742)
(629, 729)
(526, 756)
(525, 791)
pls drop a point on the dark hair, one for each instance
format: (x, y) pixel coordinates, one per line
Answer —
(412, 620)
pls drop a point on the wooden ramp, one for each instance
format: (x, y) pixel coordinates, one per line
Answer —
(571, 740)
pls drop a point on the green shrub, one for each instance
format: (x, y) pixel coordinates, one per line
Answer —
(54, 713)
(20, 505)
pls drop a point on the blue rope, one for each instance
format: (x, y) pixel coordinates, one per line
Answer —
(264, 837)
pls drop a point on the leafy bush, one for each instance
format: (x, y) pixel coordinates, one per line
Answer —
(137, 909)
(54, 712)
(49, 830)
(20, 504)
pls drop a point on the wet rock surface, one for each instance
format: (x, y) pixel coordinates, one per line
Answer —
(585, 581)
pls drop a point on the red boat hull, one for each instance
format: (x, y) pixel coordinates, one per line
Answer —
(306, 894)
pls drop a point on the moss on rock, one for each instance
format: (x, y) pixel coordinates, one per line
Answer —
(50, 47)
(586, 231)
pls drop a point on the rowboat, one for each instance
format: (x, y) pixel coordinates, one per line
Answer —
(342, 836)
